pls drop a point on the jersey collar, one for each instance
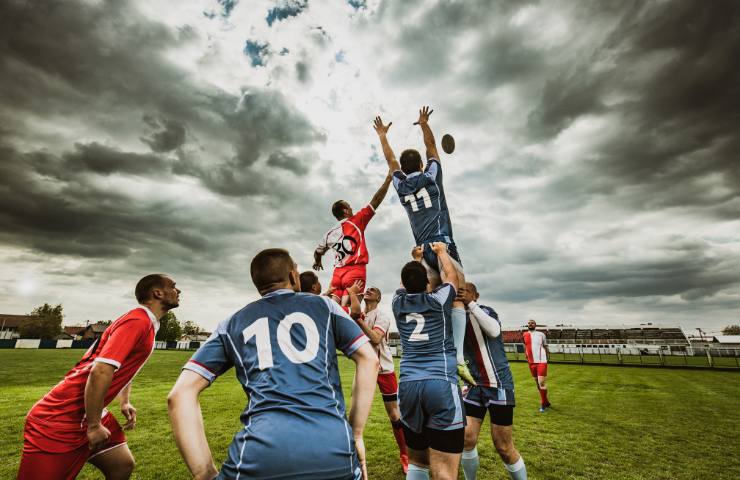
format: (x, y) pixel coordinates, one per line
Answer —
(412, 175)
(278, 292)
(152, 317)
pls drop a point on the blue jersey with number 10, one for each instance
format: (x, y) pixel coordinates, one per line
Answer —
(425, 327)
(423, 197)
(283, 348)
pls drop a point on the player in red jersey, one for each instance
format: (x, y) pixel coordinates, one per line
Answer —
(347, 239)
(70, 425)
(310, 284)
(535, 348)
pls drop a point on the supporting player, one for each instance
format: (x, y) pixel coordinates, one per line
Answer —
(429, 396)
(310, 284)
(283, 347)
(422, 196)
(535, 348)
(484, 350)
(375, 324)
(347, 239)
(70, 425)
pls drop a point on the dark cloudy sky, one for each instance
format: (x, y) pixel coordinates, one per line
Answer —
(596, 178)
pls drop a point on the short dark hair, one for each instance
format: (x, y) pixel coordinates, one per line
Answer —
(337, 209)
(308, 280)
(269, 267)
(475, 288)
(148, 283)
(410, 161)
(414, 277)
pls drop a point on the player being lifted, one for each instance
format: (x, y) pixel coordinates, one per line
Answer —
(347, 239)
(422, 195)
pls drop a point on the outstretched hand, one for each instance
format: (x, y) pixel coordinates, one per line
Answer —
(417, 253)
(439, 247)
(355, 288)
(424, 114)
(381, 129)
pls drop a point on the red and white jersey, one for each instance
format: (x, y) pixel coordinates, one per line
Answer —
(126, 344)
(377, 320)
(348, 239)
(534, 346)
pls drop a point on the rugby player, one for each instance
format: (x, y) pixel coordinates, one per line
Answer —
(422, 195)
(494, 392)
(429, 396)
(70, 425)
(535, 348)
(310, 284)
(376, 324)
(347, 239)
(283, 347)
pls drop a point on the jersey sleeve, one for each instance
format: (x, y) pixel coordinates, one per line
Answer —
(398, 177)
(323, 245)
(124, 336)
(444, 294)
(348, 336)
(363, 217)
(432, 169)
(382, 323)
(212, 358)
(544, 339)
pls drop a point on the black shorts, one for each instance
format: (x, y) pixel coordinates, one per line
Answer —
(449, 441)
(502, 415)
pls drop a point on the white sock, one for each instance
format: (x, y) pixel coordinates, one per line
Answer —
(517, 470)
(458, 332)
(470, 463)
(417, 473)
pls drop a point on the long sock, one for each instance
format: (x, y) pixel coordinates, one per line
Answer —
(470, 463)
(517, 470)
(417, 473)
(400, 439)
(458, 332)
(543, 397)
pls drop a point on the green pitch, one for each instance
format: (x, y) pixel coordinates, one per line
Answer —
(608, 422)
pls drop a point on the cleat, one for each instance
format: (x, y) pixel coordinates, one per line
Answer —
(464, 373)
(543, 409)
(548, 405)
(404, 463)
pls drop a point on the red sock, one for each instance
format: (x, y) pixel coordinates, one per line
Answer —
(543, 397)
(398, 433)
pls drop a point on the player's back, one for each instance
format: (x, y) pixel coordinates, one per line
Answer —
(486, 356)
(424, 325)
(283, 348)
(422, 196)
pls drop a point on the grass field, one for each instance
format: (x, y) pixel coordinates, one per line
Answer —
(607, 423)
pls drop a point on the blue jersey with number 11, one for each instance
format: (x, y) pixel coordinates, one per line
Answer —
(283, 348)
(425, 327)
(423, 197)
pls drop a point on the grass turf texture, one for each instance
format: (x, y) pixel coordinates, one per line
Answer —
(608, 422)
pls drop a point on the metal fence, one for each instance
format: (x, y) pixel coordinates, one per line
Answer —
(695, 357)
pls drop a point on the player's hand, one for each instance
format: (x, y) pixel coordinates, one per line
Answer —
(97, 436)
(318, 266)
(381, 129)
(129, 412)
(464, 296)
(439, 247)
(424, 114)
(417, 253)
(329, 291)
(355, 288)
(360, 447)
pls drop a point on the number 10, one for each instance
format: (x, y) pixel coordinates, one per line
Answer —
(260, 330)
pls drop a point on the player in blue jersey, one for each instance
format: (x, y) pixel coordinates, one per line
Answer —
(494, 392)
(422, 195)
(283, 348)
(429, 396)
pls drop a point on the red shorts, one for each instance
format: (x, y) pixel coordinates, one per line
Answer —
(388, 386)
(344, 277)
(54, 460)
(538, 369)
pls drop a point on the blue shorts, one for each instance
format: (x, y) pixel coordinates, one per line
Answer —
(430, 258)
(486, 396)
(287, 446)
(435, 404)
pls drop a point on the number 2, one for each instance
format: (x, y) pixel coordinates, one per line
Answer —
(416, 335)
(424, 195)
(260, 330)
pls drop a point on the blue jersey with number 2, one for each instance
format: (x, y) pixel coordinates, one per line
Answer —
(283, 348)
(424, 324)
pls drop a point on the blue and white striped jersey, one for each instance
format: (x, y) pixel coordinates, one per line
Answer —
(425, 326)
(485, 355)
(423, 197)
(283, 348)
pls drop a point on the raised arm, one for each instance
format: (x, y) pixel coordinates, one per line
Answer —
(448, 272)
(355, 309)
(426, 130)
(187, 424)
(382, 191)
(382, 131)
(363, 389)
(486, 322)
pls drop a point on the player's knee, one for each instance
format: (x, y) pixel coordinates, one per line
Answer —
(505, 449)
(471, 439)
(127, 467)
